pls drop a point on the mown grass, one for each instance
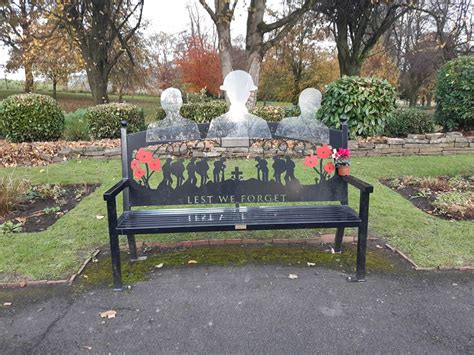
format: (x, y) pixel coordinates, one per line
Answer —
(57, 252)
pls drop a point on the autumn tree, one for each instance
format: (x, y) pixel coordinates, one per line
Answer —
(358, 25)
(17, 21)
(200, 67)
(128, 76)
(380, 63)
(56, 56)
(103, 31)
(260, 36)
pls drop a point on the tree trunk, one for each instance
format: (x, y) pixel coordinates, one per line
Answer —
(253, 67)
(55, 83)
(98, 80)
(120, 93)
(412, 99)
(28, 77)
(348, 65)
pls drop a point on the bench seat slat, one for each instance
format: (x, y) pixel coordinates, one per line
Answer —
(252, 218)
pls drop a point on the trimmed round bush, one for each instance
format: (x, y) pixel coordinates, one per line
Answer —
(407, 121)
(269, 113)
(31, 117)
(104, 120)
(366, 101)
(203, 112)
(455, 94)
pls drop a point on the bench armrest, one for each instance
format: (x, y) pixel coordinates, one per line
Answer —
(115, 190)
(361, 185)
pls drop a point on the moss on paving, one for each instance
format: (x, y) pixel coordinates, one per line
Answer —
(58, 251)
(100, 272)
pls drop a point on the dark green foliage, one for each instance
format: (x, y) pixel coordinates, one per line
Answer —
(406, 121)
(367, 102)
(455, 94)
(31, 117)
(104, 120)
(202, 112)
(292, 111)
(76, 128)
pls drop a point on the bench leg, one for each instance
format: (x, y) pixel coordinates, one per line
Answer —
(132, 246)
(362, 238)
(116, 268)
(338, 240)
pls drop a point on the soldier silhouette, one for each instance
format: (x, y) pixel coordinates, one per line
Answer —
(290, 170)
(279, 167)
(191, 169)
(218, 171)
(177, 169)
(201, 168)
(173, 126)
(166, 169)
(238, 122)
(262, 168)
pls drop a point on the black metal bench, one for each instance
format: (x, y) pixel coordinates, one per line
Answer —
(200, 195)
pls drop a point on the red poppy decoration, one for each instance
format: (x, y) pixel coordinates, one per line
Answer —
(329, 168)
(323, 152)
(311, 161)
(155, 164)
(138, 173)
(135, 164)
(144, 156)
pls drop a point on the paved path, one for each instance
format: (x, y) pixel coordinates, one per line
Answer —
(249, 309)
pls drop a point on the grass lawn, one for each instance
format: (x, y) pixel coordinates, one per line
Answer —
(57, 252)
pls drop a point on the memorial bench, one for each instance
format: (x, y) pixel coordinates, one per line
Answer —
(174, 189)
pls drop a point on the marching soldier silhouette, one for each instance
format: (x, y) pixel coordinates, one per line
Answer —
(202, 168)
(262, 169)
(279, 167)
(191, 170)
(219, 168)
(177, 169)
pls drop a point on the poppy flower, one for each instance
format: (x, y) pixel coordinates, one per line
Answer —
(323, 152)
(139, 173)
(135, 163)
(155, 164)
(329, 168)
(144, 156)
(311, 161)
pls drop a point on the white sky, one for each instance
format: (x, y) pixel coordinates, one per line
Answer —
(164, 15)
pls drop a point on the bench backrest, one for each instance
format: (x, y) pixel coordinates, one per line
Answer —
(191, 172)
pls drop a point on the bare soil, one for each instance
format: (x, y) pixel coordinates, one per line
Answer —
(36, 213)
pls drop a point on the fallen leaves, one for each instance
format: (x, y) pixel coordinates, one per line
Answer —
(7, 304)
(192, 262)
(108, 314)
(310, 264)
(159, 266)
(292, 276)
(99, 216)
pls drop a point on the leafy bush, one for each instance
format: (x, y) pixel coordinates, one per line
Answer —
(75, 126)
(367, 102)
(31, 117)
(202, 112)
(409, 121)
(455, 94)
(104, 120)
(270, 113)
(292, 111)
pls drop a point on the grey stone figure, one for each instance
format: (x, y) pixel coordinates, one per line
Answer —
(173, 127)
(305, 126)
(238, 122)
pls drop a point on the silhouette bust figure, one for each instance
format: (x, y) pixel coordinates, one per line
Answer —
(173, 126)
(238, 122)
(305, 126)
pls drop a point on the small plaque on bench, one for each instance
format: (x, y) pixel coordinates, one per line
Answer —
(240, 226)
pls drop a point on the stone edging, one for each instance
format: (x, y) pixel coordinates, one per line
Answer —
(415, 144)
(450, 143)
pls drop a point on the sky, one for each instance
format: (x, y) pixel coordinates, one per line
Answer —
(168, 16)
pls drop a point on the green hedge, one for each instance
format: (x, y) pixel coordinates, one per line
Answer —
(455, 94)
(406, 121)
(367, 102)
(31, 117)
(203, 112)
(104, 120)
